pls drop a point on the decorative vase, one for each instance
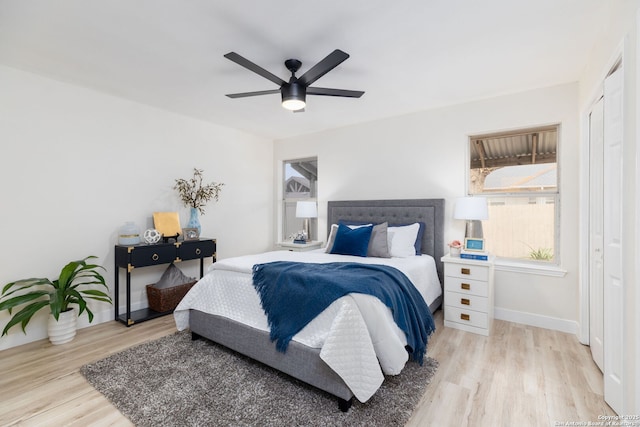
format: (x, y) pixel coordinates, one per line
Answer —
(455, 252)
(129, 234)
(64, 329)
(194, 220)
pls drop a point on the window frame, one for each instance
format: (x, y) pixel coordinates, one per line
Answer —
(551, 267)
(313, 222)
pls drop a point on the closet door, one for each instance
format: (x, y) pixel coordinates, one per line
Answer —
(596, 238)
(613, 234)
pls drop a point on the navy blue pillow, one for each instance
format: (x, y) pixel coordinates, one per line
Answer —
(352, 242)
(418, 244)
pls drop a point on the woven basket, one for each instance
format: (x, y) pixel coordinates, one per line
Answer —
(167, 299)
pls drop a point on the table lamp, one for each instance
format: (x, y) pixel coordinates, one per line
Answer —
(306, 210)
(473, 210)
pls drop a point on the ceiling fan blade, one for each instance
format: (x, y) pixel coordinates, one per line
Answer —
(334, 92)
(246, 94)
(253, 67)
(330, 62)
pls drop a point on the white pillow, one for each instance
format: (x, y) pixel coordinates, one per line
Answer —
(332, 238)
(402, 240)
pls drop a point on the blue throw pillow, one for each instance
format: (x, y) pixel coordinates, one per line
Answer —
(352, 242)
(378, 244)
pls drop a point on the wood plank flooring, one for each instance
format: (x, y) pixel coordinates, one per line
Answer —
(519, 376)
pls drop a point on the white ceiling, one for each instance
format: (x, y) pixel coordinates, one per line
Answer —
(406, 55)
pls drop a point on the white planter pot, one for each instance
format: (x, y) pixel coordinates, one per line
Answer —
(63, 330)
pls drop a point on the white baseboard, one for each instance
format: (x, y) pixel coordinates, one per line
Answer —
(537, 320)
(106, 315)
(102, 316)
(38, 331)
(16, 338)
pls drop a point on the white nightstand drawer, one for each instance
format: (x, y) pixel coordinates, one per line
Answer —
(467, 302)
(468, 294)
(466, 317)
(473, 272)
(466, 286)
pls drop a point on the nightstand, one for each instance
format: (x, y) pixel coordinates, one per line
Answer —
(468, 294)
(300, 247)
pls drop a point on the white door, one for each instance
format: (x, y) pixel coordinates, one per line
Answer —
(596, 269)
(613, 283)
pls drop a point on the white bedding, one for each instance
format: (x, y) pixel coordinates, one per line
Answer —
(356, 334)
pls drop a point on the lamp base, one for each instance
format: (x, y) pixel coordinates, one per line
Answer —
(306, 229)
(473, 229)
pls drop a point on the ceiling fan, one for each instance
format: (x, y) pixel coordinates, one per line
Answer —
(294, 91)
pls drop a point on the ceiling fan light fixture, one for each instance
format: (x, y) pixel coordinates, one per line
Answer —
(293, 104)
(294, 92)
(293, 96)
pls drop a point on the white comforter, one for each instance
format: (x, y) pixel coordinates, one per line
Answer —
(356, 334)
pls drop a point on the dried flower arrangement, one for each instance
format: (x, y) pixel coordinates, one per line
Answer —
(196, 195)
(455, 247)
(455, 244)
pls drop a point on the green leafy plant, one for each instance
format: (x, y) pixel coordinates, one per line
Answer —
(196, 195)
(541, 254)
(59, 295)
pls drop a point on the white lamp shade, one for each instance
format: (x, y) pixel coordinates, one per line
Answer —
(474, 208)
(306, 210)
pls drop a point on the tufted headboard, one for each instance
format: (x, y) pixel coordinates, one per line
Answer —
(403, 211)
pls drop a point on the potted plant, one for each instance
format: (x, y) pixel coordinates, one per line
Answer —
(195, 195)
(72, 288)
(455, 248)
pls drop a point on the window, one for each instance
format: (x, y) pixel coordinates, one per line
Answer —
(300, 183)
(518, 174)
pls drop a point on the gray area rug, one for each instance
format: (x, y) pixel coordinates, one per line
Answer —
(174, 381)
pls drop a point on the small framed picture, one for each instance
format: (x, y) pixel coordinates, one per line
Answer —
(190, 233)
(473, 244)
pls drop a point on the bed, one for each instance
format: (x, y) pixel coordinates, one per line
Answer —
(340, 365)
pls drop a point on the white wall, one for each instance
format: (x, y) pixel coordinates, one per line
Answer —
(77, 164)
(423, 155)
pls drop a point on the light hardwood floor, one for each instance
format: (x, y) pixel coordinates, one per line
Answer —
(519, 376)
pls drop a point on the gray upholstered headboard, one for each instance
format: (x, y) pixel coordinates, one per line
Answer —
(429, 211)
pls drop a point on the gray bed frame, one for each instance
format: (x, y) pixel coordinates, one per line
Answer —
(300, 361)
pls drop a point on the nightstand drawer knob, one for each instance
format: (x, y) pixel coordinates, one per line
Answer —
(465, 271)
(465, 301)
(465, 286)
(464, 316)
(198, 251)
(155, 257)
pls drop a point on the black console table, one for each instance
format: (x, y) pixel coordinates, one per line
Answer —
(136, 256)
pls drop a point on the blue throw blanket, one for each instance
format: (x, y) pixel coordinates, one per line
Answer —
(293, 294)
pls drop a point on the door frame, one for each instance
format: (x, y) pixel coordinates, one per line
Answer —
(596, 217)
(637, 186)
(585, 217)
(584, 256)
